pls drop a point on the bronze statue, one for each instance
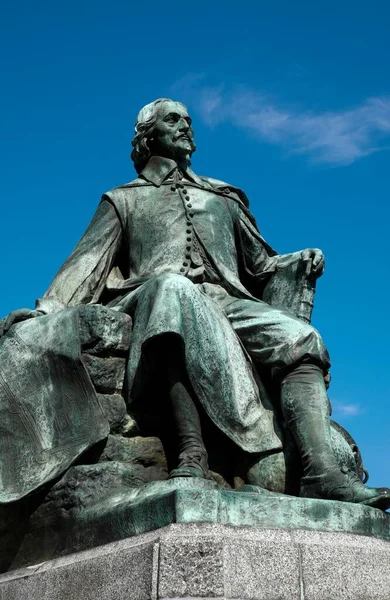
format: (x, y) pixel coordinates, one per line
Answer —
(182, 255)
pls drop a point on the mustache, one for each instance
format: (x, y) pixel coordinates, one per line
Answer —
(188, 136)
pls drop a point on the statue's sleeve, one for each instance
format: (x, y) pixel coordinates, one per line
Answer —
(82, 278)
(258, 259)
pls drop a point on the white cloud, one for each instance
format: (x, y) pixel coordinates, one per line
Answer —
(333, 137)
(347, 410)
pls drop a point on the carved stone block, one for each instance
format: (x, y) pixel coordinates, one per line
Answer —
(103, 330)
(114, 408)
(107, 373)
(145, 451)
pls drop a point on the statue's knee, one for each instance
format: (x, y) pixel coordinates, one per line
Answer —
(304, 333)
(311, 347)
(305, 341)
(314, 335)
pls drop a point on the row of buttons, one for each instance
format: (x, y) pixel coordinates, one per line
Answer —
(190, 214)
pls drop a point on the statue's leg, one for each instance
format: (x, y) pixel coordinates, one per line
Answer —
(306, 411)
(294, 354)
(170, 322)
(192, 455)
(170, 307)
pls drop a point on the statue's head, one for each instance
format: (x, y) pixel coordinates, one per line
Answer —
(163, 128)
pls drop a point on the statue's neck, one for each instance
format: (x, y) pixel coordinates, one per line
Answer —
(184, 162)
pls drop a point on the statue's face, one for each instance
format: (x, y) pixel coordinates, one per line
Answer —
(172, 135)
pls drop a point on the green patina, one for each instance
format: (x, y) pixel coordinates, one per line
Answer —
(221, 341)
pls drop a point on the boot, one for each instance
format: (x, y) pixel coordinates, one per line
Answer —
(192, 460)
(192, 463)
(192, 455)
(305, 409)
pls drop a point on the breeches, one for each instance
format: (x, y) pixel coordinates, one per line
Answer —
(213, 327)
(273, 338)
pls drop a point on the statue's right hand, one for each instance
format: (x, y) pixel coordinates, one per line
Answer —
(16, 317)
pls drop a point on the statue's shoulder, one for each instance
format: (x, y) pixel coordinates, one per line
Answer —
(131, 185)
(226, 188)
(125, 191)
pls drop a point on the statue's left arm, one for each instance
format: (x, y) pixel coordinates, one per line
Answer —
(258, 260)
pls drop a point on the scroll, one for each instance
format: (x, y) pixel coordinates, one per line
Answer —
(292, 288)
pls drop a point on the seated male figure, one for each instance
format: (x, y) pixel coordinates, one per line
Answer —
(193, 265)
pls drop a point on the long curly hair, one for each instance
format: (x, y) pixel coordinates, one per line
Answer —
(144, 127)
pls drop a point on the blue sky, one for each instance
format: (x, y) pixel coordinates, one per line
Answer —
(290, 101)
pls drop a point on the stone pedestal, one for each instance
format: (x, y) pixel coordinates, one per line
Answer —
(213, 561)
(188, 538)
(127, 512)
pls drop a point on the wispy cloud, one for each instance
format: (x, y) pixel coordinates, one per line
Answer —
(333, 137)
(347, 409)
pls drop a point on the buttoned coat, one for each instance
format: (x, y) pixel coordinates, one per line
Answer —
(140, 227)
(158, 225)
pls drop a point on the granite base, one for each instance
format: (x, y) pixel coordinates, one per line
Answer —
(213, 561)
